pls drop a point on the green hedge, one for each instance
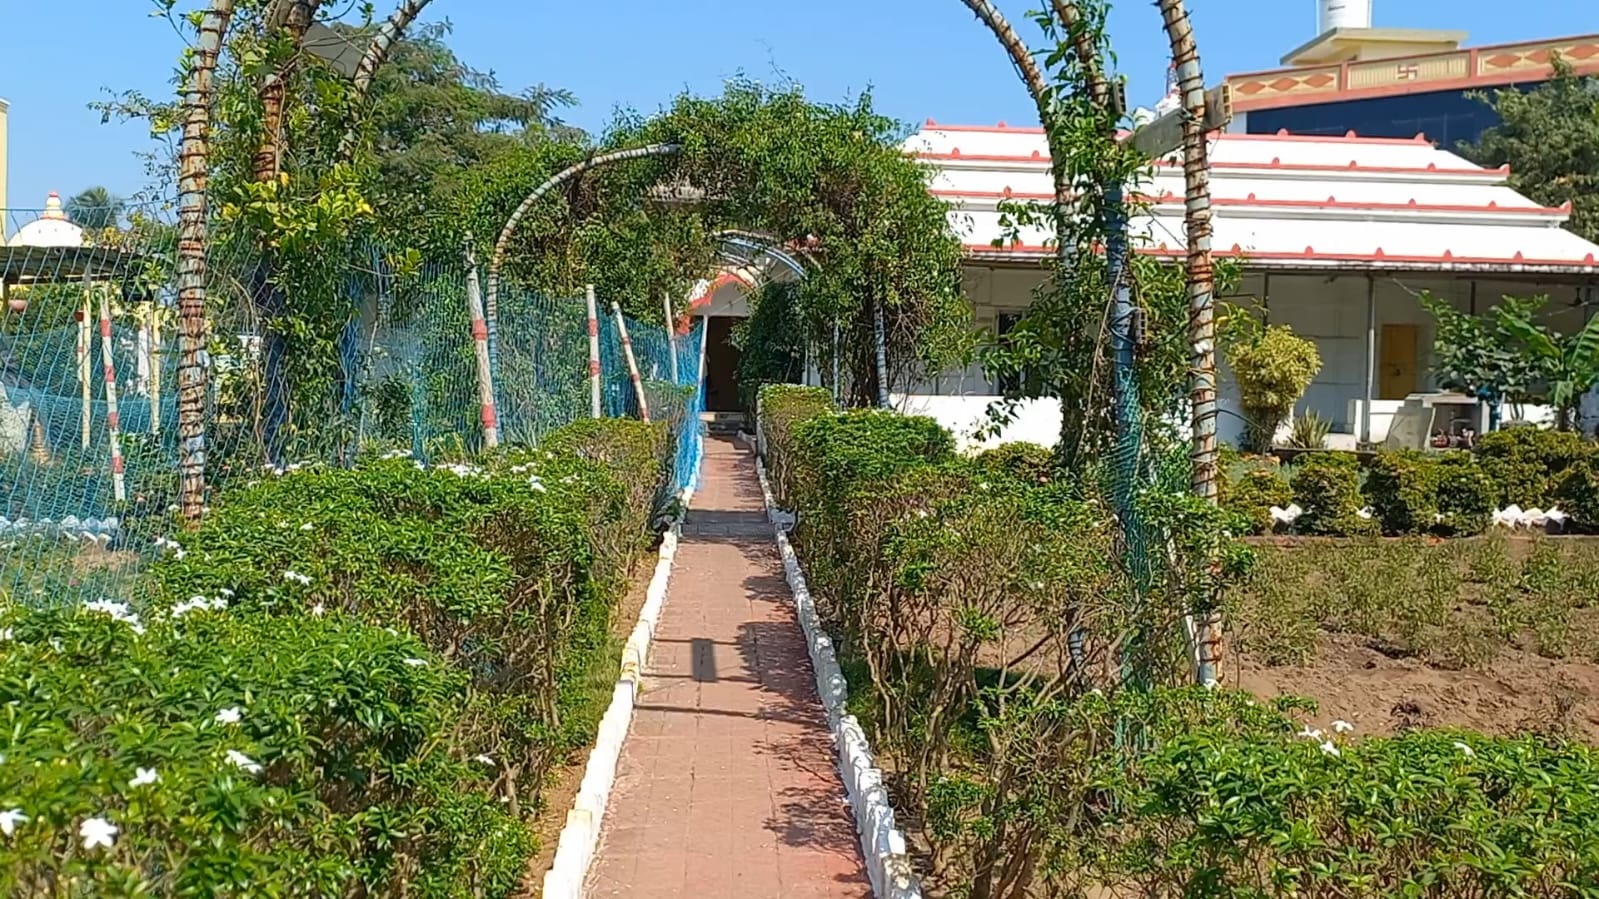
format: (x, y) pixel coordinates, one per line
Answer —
(781, 407)
(1577, 492)
(1249, 487)
(1442, 493)
(413, 652)
(1327, 488)
(1525, 464)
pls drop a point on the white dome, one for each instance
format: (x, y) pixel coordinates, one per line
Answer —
(50, 229)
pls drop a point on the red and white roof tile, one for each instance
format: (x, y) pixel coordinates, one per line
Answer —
(1279, 201)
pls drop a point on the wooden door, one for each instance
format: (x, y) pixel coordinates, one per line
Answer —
(1397, 355)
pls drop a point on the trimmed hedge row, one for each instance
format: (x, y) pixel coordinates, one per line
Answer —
(1409, 492)
(347, 683)
(974, 604)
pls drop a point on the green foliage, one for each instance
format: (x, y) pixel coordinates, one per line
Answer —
(1452, 604)
(1568, 363)
(782, 407)
(1525, 463)
(1477, 355)
(1327, 488)
(341, 775)
(1416, 492)
(1250, 487)
(1026, 462)
(1577, 492)
(1550, 138)
(1309, 431)
(1273, 368)
(1235, 804)
(771, 341)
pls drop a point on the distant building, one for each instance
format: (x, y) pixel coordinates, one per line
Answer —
(1393, 82)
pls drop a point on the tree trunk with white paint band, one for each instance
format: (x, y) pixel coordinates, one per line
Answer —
(1201, 293)
(113, 416)
(480, 347)
(632, 364)
(193, 372)
(594, 354)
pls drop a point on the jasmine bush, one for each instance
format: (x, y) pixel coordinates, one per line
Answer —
(347, 681)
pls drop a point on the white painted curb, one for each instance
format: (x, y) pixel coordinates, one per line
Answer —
(888, 865)
(580, 837)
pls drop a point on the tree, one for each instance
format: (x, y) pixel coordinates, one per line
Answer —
(95, 209)
(1549, 136)
(1478, 356)
(1569, 363)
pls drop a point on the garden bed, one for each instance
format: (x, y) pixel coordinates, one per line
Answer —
(1499, 634)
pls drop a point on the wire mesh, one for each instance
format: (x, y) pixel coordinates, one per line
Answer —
(390, 368)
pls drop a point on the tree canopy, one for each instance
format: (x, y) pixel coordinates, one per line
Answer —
(1550, 138)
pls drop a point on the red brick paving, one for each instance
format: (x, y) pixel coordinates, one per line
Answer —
(726, 786)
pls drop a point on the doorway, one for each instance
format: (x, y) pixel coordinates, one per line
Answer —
(721, 365)
(1397, 367)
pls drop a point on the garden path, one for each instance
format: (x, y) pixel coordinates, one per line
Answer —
(726, 785)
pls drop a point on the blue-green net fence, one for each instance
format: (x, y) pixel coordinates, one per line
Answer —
(89, 462)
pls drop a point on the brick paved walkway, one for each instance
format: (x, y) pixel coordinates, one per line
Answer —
(726, 787)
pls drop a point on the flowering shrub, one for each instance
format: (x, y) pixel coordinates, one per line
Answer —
(207, 752)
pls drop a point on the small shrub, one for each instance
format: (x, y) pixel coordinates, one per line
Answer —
(1327, 488)
(1250, 487)
(1416, 492)
(1026, 462)
(1525, 463)
(1273, 369)
(1577, 493)
(1309, 431)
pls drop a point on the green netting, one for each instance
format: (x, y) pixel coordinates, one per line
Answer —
(401, 375)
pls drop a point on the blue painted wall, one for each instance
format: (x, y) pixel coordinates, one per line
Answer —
(1446, 117)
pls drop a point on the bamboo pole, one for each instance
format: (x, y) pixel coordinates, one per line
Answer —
(113, 418)
(632, 364)
(480, 341)
(85, 382)
(155, 369)
(671, 342)
(594, 353)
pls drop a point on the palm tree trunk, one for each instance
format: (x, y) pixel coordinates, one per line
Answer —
(193, 380)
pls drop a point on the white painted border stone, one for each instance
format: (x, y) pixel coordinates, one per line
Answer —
(888, 865)
(580, 837)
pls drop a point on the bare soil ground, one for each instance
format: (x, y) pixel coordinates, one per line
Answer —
(1498, 634)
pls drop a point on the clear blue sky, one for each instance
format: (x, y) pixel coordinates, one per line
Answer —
(922, 58)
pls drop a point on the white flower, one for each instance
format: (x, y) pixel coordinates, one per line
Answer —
(97, 832)
(538, 485)
(308, 526)
(243, 761)
(1342, 727)
(9, 820)
(1310, 733)
(1210, 683)
(226, 592)
(1465, 749)
(5, 634)
(230, 715)
(297, 578)
(484, 759)
(319, 610)
(415, 662)
(1328, 747)
(143, 777)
